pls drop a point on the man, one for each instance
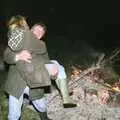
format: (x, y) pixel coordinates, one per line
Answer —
(55, 69)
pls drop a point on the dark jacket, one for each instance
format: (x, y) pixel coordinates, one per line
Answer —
(35, 72)
(17, 79)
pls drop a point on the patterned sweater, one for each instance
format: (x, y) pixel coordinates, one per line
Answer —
(15, 39)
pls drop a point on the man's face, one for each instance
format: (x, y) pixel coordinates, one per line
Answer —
(38, 31)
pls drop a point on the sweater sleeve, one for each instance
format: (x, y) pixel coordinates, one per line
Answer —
(9, 56)
(16, 39)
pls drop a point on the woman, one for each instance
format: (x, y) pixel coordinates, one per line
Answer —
(17, 84)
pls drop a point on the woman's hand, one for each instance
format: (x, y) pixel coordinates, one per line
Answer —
(24, 55)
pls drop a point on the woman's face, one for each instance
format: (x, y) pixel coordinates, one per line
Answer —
(38, 31)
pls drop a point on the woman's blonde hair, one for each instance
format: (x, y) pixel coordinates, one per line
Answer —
(17, 21)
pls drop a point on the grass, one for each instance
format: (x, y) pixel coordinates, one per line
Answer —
(28, 114)
(3, 97)
(4, 105)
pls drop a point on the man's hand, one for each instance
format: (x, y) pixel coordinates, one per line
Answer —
(24, 55)
(54, 71)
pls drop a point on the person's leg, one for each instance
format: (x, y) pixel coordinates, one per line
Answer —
(61, 82)
(15, 107)
(41, 106)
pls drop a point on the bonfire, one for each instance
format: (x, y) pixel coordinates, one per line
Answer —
(99, 81)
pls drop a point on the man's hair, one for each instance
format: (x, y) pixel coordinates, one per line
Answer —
(41, 24)
(17, 20)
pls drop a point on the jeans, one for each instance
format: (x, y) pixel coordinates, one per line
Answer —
(61, 71)
(16, 104)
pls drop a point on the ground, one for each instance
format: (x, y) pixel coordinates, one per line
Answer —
(85, 110)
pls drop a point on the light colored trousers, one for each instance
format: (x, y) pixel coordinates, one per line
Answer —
(16, 104)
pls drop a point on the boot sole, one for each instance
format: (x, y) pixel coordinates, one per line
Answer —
(69, 105)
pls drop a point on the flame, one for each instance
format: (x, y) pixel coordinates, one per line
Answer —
(75, 70)
(114, 88)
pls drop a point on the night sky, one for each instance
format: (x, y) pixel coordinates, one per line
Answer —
(97, 22)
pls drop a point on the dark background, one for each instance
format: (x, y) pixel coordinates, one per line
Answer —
(97, 22)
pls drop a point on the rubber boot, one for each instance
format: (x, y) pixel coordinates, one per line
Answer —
(62, 85)
(43, 116)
